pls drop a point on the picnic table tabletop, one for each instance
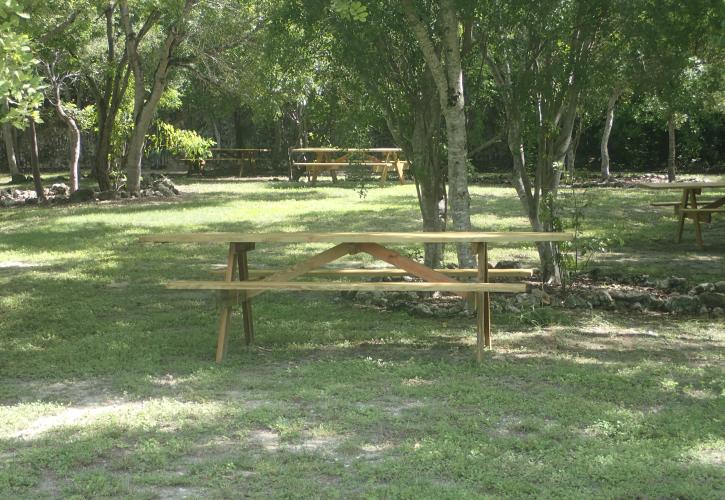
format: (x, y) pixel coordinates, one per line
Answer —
(351, 150)
(680, 185)
(357, 237)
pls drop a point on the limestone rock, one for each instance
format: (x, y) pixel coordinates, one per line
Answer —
(684, 304)
(83, 194)
(713, 299)
(60, 189)
(601, 298)
(676, 283)
(508, 264)
(703, 287)
(107, 195)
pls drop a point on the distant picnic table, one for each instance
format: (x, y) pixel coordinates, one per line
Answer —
(240, 156)
(379, 160)
(254, 282)
(689, 207)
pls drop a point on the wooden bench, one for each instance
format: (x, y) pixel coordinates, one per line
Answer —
(241, 292)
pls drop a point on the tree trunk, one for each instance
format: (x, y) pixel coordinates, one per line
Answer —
(448, 77)
(34, 164)
(429, 185)
(10, 150)
(144, 108)
(74, 136)
(671, 152)
(571, 152)
(608, 122)
(10, 145)
(102, 163)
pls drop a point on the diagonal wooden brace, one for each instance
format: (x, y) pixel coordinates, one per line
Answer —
(309, 264)
(416, 269)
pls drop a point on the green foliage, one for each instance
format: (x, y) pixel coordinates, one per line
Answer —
(20, 86)
(576, 255)
(185, 143)
(350, 10)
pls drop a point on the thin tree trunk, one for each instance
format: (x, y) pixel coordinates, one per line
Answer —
(34, 164)
(671, 151)
(10, 150)
(10, 145)
(74, 135)
(429, 186)
(608, 122)
(571, 152)
(217, 132)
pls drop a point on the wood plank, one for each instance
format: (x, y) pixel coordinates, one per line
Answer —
(362, 237)
(340, 164)
(415, 268)
(346, 150)
(360, 272)
(241, 149)
(702, 210)
(320, 286)
(306, 265)
(243, 265)
(225, 313)
(680, 185)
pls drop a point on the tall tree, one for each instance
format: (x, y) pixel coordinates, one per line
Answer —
(445, 65)
(175, 30)
(20, 86)
(673, 37)
(538, 55)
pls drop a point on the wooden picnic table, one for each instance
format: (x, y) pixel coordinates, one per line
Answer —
(349, 243)
(381, 160)
(235, 155)
(689, 207)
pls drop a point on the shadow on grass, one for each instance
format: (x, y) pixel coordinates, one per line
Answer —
(422, 409)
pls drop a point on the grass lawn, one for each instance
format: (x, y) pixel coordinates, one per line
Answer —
(109, 386)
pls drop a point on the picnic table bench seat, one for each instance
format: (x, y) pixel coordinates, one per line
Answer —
(361, 272)
(321, 286)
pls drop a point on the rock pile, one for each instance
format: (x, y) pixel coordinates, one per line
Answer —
(624, 182)
(154, 185)
(673, 295)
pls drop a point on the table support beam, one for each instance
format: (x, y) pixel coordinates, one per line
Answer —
(415, 268)
(483, 304)
(236, 260)
(306, 265)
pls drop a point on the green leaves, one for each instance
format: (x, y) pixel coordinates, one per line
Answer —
(185, 143)
(350, 10)
(20, 86)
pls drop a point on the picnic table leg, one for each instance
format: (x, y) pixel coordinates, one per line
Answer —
(696, 218)
(681, 222)
(242, 264)
(401, 174)
(483, 305)
(225, 315)
(383, 176)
